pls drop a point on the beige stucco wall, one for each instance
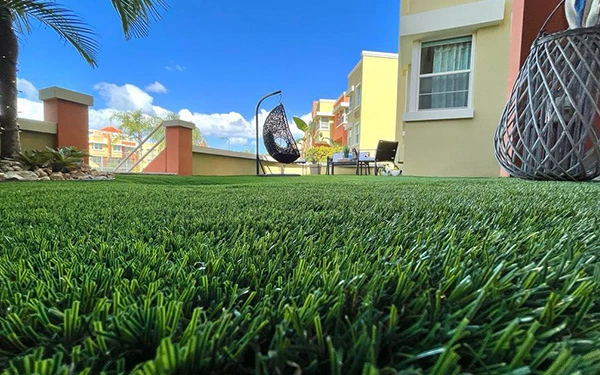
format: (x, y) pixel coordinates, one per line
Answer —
(208, 161)
(37, 141)
(37, 135)
(461, 147)
(379, 97)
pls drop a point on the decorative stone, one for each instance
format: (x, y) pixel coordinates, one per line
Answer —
(20, 176)
(44, 178)
(2, 177)
(56, 176)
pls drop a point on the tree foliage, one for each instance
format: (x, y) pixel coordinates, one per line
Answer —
(17, 17)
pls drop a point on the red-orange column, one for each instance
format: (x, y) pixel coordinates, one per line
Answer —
(69, 110)
(178, 147)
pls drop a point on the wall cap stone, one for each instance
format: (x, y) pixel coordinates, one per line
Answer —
(64, 94)
(178, 123)
(37, 126)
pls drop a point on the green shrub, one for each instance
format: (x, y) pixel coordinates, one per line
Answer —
(65, 159)
(62, 159)
(320, 154)
(33, 159)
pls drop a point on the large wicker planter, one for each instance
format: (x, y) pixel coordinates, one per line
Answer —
(550, 128)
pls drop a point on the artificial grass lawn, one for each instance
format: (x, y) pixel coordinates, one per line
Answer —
(311, 275)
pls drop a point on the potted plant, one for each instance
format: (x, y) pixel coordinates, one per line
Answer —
(313, 158)
(346, 152)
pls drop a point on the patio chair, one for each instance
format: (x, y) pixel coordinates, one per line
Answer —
(385, 153)
(364, 162)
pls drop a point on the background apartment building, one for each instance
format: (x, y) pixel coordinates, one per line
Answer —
(339, 132)
(372, 92)
(322, 119)
(109, 146)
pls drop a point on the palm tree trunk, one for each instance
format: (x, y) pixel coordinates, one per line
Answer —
(10, 143)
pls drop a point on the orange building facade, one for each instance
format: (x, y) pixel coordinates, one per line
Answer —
(339, 132)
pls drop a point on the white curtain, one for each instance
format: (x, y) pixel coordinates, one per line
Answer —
(448, 90)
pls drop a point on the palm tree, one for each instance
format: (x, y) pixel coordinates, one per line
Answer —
(17, 16)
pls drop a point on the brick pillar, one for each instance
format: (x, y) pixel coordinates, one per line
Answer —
(178, 147)
(69, 110)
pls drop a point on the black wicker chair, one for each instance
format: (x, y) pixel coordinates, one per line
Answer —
(278, 138)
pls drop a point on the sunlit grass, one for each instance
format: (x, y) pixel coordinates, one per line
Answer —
(311, 275)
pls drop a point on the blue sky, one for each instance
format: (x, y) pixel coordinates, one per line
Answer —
(212, 60)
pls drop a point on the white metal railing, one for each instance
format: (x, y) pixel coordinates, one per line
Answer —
(135, 150)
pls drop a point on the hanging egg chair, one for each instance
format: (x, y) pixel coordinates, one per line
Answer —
(278, 138)
(550, 127)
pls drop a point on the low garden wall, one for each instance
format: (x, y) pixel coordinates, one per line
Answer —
(37, 135)
(207, 161)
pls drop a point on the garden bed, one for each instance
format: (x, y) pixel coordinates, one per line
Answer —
(312, 275)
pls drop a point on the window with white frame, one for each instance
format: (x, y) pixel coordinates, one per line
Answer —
(116, 148)
(349, 137)
(445, 74)
(358, 95)
(357, 133)
(97, 146)
(324, 123)
(350, 101)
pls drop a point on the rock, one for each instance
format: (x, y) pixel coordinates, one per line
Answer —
(17, 167)
(21, 176)
(67, 176)
(44, 178)
(2, 177)
(48, 171)
(94, 173)
(56, 176)
(41, 173)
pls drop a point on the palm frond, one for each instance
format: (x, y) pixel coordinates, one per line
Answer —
(68, 25)
(136, 15)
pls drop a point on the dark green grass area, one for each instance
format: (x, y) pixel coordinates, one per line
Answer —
(311, 275)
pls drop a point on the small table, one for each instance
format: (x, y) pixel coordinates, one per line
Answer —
(332, 163)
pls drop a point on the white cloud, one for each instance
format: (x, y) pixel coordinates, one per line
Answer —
(174, 67)
(101, 118)
(31, 109)
(27, 88)
(125, 98)
(156, 87)
(240, 141)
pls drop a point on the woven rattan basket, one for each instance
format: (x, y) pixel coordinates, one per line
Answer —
(550, 127)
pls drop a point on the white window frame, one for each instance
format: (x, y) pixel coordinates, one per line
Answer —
(116, 148)
(321, 127)
(357, 133)
(414, 113)
(97, 146)
(358, 95)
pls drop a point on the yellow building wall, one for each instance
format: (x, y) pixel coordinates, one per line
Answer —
(418, 6)
(327, 107)
(378, 104)
(37, 141)
(462, 147)
(354, 113)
